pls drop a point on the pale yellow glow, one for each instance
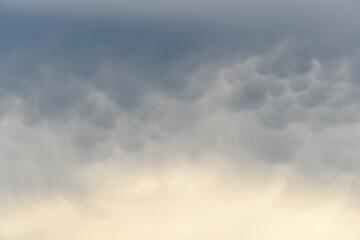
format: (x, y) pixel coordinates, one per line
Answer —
(186, 201)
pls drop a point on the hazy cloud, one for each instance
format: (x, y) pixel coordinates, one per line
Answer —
(259, 83)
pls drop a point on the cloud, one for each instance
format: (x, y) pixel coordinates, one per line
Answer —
(193, 201)
(97, 109)
(251, 96)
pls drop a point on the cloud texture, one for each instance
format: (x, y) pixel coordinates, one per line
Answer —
(95, 96)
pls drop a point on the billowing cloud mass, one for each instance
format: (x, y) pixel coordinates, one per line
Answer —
(179, 120)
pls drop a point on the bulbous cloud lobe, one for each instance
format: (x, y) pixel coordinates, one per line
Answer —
(266, 82)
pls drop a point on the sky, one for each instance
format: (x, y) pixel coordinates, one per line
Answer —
(194, 120)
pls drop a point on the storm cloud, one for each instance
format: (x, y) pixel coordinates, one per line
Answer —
(147, 84)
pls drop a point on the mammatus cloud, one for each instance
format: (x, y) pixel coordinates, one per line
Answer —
(235, 119)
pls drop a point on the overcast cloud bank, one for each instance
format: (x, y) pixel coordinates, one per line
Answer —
(263, 85)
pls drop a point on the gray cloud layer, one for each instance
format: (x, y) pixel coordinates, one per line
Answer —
(253, 84)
